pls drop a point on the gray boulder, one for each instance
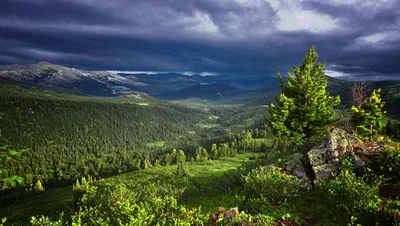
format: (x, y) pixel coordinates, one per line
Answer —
(306, 183)
(295, 166)
(325, 158)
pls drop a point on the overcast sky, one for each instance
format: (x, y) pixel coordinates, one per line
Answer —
(358, 38)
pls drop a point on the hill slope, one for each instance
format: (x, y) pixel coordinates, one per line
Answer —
(390, 92)
(207, 92)
(64, 136)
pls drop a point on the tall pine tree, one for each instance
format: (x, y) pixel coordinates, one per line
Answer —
(304, 109)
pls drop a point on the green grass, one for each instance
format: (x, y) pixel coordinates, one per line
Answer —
(50, 203)
(160, 143)
(208, 125)
(269, 141)
(202, 175)
(16, 152)
(143, 104)
(211, 168)
(213, 117)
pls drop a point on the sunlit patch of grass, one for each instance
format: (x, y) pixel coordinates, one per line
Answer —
(143, 104)
(160, 143)
(201, 175)
(213, 117)
(16, 152)
(16, 180)
(210, 168)
(208, 125)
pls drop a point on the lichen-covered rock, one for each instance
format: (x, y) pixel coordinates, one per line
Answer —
(306, 183)
(325, 158)
(325, 171)
(318, 156)
(295, 166)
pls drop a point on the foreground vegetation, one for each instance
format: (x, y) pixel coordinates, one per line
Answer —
(262, 197)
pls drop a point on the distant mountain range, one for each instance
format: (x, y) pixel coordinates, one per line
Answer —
(176, 86)
(99, 83)
(104, 83)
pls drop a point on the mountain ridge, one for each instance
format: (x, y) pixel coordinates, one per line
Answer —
(100, 83)
(110, 83)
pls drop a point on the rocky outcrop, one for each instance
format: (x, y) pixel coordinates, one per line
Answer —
(325, 159)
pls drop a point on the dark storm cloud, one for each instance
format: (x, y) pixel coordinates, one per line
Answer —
(241, 37)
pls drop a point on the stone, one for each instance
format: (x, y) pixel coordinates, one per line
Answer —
(358, 163)
(325, 171)
(334, 155)
(295, 166)
(300, 172)
(306, 183)
(315, 157)
(325, 158)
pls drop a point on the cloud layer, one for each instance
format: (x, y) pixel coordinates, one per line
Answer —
(359, 39)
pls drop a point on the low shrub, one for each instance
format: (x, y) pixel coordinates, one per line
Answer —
(347, 199)
(269, 192)
(387, 164)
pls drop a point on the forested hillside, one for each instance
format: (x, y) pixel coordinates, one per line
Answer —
(58, 137)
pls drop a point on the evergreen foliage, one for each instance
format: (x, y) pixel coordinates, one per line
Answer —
(214, 151)
(367, 118)
(59, 138)
(303, 109)
(38, 187)
(180, 162)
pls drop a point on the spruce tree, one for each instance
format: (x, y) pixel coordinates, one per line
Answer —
(168, 159)
(204, 155)
(180, 161)
(304, 109)
(198, 154)
(368, 117)
(214, 151)
(38, 187)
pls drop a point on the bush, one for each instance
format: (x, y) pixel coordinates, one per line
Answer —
(121, 206)
(347, 198)
(269, 191)
(387, 164)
